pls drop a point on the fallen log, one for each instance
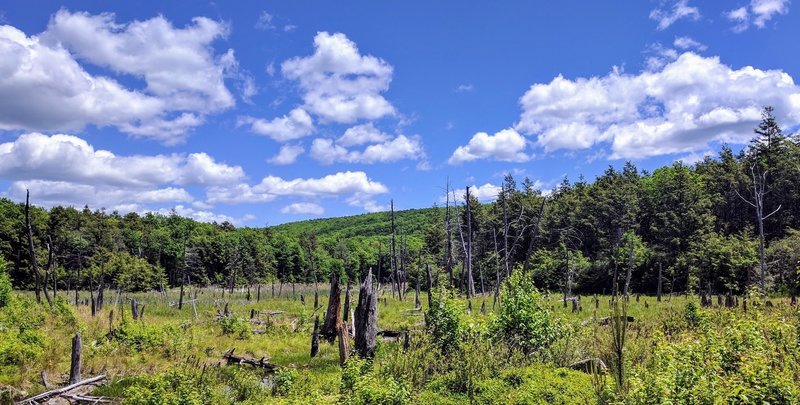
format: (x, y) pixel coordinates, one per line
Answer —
(63, 390)
(262, 363)
(590, 366)
(87, 399)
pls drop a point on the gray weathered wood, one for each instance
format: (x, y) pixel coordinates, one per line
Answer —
(366, 318)
(75, 365)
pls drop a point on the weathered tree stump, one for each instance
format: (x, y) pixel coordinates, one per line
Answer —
(344, 342)
(135, 309)
(315, 338)
(366, 318)
(334, 309)
(75, 365)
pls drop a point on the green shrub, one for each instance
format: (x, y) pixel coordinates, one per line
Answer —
(5, 284)
(283, 381)
(523, 322)
(170, 340)
(361, 386)
(173, 387)
(445, 321)
(238, 327)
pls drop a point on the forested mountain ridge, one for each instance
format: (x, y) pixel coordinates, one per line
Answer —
(725, 223)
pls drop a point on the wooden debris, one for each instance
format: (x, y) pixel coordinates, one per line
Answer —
(60, 391)
(261, 363)
(590, 366)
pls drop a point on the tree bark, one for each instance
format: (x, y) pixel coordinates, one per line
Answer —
(334, 309)
(366, 318)
(75, 366)
(315, 338)
(37, 277)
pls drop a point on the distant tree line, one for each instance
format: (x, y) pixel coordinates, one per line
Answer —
(724, 224)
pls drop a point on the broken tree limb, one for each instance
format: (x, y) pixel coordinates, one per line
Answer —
(58, 392)
(261, 363)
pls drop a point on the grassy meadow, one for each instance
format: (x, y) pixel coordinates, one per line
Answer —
(673, 352)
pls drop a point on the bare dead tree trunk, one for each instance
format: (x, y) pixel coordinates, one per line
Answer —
(347, 298)
(37, 277)
(568, 283)
(660, 278)
(183, 277)
(344, 342)
(393, 259)
(135, 309)
(75, 366)
(448, 230)
(366, 318)
(430, 283)
(470, 281)
(315, 338)
(334, 309)
(758, 192)
(629, 270)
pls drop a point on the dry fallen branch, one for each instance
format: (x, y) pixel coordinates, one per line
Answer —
(262, 363)
(61, 391)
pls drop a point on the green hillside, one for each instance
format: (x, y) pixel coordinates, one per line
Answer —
(411, 223)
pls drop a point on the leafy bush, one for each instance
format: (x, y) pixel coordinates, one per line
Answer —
(170, 340)
(523, 322)
(361, 386)
(173, 387)
(283, 381)
(445, 321)
(732, 363)
(238, 327)
(5, 284)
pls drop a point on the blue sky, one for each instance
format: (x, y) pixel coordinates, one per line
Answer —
(268, 112)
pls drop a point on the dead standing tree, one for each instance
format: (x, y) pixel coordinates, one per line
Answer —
(334, 308)
(37, 277)
(757, 193)
(366, 318)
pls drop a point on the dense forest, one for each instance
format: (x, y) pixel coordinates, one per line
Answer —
(723, 224)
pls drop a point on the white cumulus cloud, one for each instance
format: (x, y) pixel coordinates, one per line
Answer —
(44, 86)
(679, 108)
(338, 83)
(343, 184)
(303, 208)
(297, 124)
(287, 155)
(507, 145)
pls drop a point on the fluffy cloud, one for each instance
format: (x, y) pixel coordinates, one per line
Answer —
(66, 170)
(43, 87)
(361, 134)
(338, 83)
(67, 158)
(682, 107)
(507, 145)
(399, 148)
(204, 216)
(686, 43)
(271, 187)
(758, 12)
(123, 199)
(679, 10)
(295, 125)
(303, 208)
(287, 155)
